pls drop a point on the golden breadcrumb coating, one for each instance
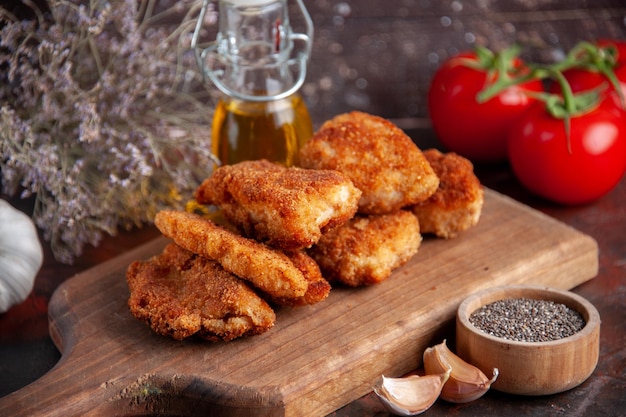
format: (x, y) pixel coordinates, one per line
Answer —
(180, 294)
(368, 248)
(379, 158)
(458, 202)
(267, 269)
(287, 208)
(318, 288)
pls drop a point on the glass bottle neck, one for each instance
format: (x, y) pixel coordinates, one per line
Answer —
(254, 47)
(254, 57)
(254, 33)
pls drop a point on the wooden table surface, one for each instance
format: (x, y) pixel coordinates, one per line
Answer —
(378, 56)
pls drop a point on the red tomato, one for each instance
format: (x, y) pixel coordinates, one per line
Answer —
(620, 46)
(574, 170)
(584, 79)
(475, 130)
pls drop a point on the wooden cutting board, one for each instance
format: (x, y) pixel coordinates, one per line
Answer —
(317, 358)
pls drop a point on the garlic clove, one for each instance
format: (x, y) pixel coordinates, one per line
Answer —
(411, 395)
(21, 256)
(466, 383)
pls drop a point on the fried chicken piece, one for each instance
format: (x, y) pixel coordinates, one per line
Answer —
(368, 248)
(318, 288)
(180, 294)
(270, 270)
(287, 208)
(457, 204)
(379, 158)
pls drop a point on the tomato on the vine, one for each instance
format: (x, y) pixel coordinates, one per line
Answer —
(607, 71)
(585, 80)
(620, 48)
(570, 166)
(466, 125)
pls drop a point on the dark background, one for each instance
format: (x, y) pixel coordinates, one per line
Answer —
(379, 56)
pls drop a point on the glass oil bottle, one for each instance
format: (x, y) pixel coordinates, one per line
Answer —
(259, 65)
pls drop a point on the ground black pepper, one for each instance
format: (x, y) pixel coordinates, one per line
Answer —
(527, 320)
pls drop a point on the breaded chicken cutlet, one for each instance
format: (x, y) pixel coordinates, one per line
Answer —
(283, 276)
(180, 294)
(379, 158)
(368, 248)
(318, 287)
(287, 208)
(458, 202)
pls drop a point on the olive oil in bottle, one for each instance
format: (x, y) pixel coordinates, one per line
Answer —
(257, 66)
(273, 130)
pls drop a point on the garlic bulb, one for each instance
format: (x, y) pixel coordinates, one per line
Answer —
(466, 383)
(21, 256)
(411, 395)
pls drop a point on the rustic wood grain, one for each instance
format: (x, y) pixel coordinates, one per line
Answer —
(317, 358)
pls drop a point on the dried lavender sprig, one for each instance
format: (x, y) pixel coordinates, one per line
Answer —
(100, 116)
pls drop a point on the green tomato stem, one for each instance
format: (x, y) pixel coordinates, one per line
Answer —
(502, 74)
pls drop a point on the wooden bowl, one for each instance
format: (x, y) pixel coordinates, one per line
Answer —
(530, 368)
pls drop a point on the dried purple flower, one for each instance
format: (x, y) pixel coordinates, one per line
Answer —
(103, 115)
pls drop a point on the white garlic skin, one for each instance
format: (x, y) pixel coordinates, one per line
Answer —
(466, 383)
(21, 256)
(411, 395)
